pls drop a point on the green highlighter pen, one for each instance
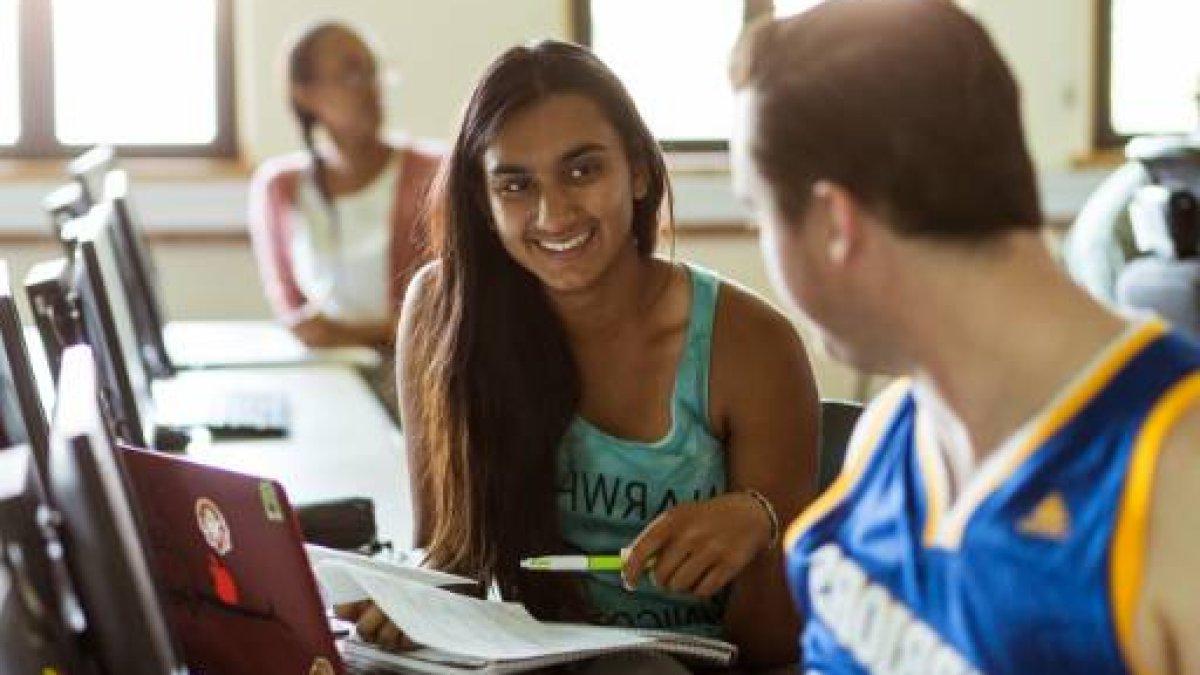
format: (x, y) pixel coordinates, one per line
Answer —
(574, 563)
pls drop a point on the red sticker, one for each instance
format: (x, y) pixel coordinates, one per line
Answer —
(223, 582)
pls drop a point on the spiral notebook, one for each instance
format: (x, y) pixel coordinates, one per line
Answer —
(459, 633)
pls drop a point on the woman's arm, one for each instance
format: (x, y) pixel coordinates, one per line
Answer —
(270, 197)
(370, 621)
(407, 381)
(764, 404)
(761, 375)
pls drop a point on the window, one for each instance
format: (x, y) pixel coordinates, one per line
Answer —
(151, 77)
(673, 57)
(1148, 68)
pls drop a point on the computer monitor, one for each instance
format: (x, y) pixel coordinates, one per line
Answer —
(105, 548)
(22, 418)
(63, 204)
(89, 169)
(40, 616)
(108, 327)
(138, 276)
(48, 289)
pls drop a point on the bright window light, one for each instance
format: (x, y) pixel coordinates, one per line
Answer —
(673, 56)
(1155, 66)
(10, 89)
(117, 81)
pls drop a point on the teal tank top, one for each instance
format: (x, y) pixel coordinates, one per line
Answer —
(610, 489)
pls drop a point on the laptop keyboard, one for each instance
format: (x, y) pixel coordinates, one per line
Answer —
(237, 414)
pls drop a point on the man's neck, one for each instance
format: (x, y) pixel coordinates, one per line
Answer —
(993, 340)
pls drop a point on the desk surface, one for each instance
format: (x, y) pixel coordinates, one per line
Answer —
(247, 344)
(342, 441)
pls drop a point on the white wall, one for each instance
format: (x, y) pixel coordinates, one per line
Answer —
(438, 47)
(1049, 45)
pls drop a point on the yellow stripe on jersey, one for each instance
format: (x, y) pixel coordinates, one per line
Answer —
(933, 476)
(1049, 423)
(863, 443)
(1128, 562)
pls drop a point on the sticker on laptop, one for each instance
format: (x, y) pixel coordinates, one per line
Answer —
(270, 501)
(213, 526)
(321, 666)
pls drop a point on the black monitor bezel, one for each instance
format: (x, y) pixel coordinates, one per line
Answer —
(130, 413)
(20, 369)
(89, 169)
(41, 615)
(104, 542)
(139, 277)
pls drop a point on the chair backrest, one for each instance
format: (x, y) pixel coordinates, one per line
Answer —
(837, 422)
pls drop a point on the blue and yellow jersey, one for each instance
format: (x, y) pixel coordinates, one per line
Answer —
(1036, 568)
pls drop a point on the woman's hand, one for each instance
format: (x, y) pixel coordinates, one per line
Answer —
(319, 332)
(699, 547)
(373, 625)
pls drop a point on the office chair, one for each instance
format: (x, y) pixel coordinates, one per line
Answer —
(837, 422)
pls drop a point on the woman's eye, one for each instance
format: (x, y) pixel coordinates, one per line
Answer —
(583, 170)
(511, 186)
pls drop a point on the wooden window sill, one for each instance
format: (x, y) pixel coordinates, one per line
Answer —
(141, 169)
(1105, 158)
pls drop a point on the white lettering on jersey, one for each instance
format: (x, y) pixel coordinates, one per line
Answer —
(881, 633)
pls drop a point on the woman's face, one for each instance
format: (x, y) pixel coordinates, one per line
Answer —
(343, 93)
(561, 191)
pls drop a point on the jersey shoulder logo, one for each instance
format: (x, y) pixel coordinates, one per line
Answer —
(1050, 519)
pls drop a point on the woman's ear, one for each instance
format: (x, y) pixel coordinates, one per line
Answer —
(302, 98)
(641, 181)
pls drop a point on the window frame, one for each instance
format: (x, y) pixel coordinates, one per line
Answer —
(581, 33)
(35, 75)
(1104, 136)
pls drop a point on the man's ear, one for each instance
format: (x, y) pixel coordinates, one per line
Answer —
(841, 219)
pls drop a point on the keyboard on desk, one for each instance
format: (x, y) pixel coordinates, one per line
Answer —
(235, 415)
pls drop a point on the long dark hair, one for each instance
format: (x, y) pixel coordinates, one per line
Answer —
(497, 381)
(301, 69)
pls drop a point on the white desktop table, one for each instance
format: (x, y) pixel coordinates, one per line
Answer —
(342, 441)
(242, 344)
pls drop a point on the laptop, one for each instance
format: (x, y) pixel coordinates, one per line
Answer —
(237, 585)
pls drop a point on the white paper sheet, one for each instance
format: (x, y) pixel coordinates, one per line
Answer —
(321, 554)
(472, 627)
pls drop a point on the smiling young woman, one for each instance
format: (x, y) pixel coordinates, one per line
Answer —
(564, 390)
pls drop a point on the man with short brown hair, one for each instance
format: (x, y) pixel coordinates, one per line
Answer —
(1023, 498)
